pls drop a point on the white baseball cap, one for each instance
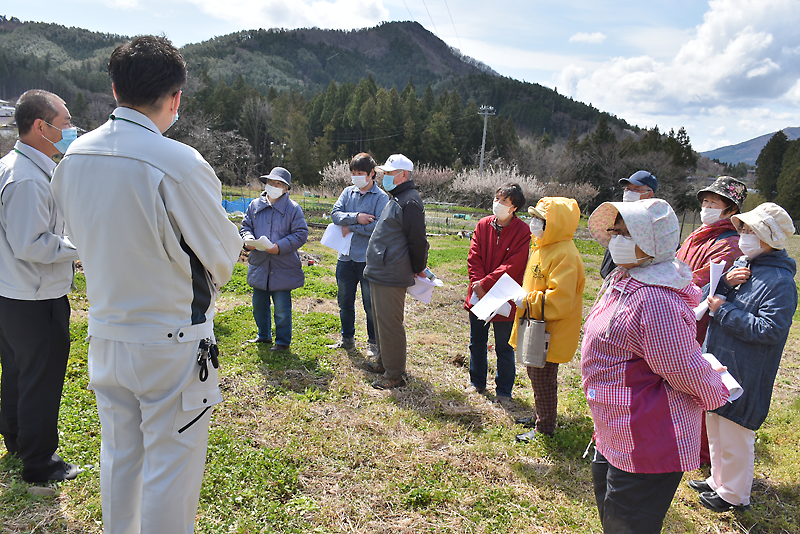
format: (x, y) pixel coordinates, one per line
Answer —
(397, 162)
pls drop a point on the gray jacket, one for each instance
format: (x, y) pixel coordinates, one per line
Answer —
(748, 332)
(398, 248)
(35, 256)
(285, 225)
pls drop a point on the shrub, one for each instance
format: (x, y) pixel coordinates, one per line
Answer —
(432, 181)
(335, 177)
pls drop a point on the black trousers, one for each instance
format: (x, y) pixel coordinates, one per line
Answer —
(631, 503)
(34, 349)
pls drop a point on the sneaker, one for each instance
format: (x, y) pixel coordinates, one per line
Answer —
(526, 437)
(470, 389)
(259, 340)
(389, 383)
(372, 350)
(344, 343)
(279, 348)
(374, 367)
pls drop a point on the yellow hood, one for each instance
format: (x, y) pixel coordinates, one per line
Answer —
(562, 216)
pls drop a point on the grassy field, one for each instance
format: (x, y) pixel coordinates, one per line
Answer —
(302, 442)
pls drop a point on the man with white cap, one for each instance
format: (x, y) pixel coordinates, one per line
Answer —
(641, 185)
(397, 251)
(752, 315)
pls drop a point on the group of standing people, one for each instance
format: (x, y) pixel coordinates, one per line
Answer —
(143, 211)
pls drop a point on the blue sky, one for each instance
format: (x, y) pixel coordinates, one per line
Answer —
(727, 70)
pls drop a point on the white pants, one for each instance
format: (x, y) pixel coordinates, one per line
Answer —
(154, 412)
(732, 449)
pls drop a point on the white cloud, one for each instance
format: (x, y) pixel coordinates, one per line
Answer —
(329, 14)
(122, 4)
(793, 94)
(719, 132)
(588, 38)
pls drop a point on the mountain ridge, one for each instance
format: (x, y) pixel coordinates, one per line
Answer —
(748, 151)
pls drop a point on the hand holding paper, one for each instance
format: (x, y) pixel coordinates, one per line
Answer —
(262, 243)
(715, 269)
(505, 289)
(422, 290)
(734, 388)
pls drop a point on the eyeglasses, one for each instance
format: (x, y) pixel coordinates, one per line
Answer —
(615, 231)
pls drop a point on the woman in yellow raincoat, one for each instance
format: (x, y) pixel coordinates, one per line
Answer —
(554, 272)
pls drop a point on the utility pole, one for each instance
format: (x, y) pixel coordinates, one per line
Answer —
(485, 111)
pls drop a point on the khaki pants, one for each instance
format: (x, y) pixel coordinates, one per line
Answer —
(732, 449)
(388, 308)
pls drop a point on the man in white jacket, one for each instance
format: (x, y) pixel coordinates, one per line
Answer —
(35, 277)
(145, 214)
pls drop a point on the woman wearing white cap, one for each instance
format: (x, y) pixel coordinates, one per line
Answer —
(747, 334)
(645, 380)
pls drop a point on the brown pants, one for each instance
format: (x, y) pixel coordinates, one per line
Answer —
(388, 310)
(544, 382)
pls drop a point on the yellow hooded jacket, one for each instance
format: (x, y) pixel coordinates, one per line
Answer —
(555, 269)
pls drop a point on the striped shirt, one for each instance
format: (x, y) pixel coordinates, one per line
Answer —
(644, 378)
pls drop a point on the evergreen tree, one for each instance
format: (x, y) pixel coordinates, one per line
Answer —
(788, 195)
(437, 142)
(603, 134)
(572, 142)
(298, 153)
(769, 165)
(79, 109)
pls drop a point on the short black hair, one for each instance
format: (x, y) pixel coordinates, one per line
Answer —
(363, 162)
(145, 70)
(512, 192)
(32, 105)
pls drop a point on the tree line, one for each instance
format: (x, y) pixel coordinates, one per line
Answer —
(778, 173)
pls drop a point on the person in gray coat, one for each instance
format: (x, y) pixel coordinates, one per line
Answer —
(751, 317)
(274, 272)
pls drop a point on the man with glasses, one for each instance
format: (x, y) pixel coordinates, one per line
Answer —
(641, 185)
(145, 213)
(35, 277)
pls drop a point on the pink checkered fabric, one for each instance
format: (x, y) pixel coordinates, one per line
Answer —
(644, 378)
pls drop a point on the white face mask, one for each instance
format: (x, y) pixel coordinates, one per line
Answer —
(273, 192)
(622, 249)
(710, 215)
(359, 181)
(750, 245)
(537, 227)
(630, 196)
(500, 211)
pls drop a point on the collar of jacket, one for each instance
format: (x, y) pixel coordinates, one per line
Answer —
(280, 205)
(405, 186)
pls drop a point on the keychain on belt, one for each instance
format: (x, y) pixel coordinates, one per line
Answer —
(207, 350)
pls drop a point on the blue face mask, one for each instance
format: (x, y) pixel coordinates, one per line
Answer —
(174, 120)
(388, 182)
(68, 135)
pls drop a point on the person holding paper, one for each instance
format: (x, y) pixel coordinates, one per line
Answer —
(554, 273)
(397, 251)
(274, 272)
(499, 246)
(747, 334)
(643, 373)
(355, 212)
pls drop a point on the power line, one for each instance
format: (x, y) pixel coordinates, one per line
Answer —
(454, 25)
(429, 16)
(409, 11)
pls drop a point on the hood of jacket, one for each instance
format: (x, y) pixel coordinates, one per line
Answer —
(779, 259)
(562, 216)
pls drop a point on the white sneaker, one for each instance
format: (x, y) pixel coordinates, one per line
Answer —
(372, 350)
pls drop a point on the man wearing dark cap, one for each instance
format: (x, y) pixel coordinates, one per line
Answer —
(641, 185)
(145, 213)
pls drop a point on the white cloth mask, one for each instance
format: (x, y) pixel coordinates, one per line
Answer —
(710, 215)
(750, 245)
(359, 181)
(622, 249)
(537, 227)
(273, 192)
(500, 211)
(630, 196)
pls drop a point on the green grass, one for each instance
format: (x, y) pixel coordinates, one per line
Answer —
(302, 442)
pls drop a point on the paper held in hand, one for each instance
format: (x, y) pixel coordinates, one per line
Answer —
(262, 243)
(716, 270)
(332, 238)
(422, 290)
(495, 301)
(734, 388)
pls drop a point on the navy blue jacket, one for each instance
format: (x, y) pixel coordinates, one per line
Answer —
(748, 332)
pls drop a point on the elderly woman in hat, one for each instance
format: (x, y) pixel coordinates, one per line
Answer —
(274, 270)
(750, 324)
(644, 378)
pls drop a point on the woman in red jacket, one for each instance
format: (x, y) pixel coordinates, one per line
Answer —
(499, 245)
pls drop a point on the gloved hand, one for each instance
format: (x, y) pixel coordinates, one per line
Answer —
(519, 301)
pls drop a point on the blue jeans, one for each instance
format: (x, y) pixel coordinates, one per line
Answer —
(283, 315)
(348, 275)
(478, 365)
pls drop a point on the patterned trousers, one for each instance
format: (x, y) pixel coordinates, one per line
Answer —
(544, 382)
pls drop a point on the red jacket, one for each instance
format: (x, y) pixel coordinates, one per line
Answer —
(492, 254)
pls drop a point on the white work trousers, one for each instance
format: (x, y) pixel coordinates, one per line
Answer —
(154, 412)
(732, 449)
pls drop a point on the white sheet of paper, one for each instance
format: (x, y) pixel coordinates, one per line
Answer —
(734, 388)
(422, 290)
(716, 269)
(262, 243)
(332, 238)
(504, 310)
(505, 289)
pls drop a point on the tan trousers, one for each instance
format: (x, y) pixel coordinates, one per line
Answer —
(732, 449)
(388, 310)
